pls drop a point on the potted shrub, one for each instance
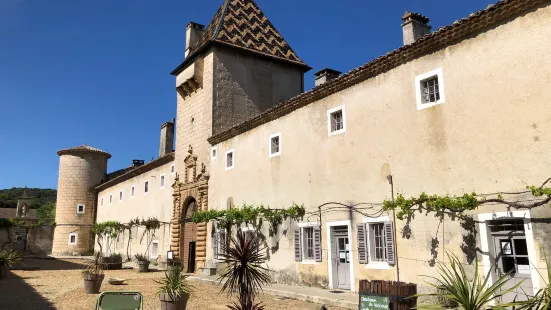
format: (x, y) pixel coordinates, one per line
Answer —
(7, 259)
(93, 275)
(112, 262)
(175, 290)
(172, 264)
(143, 262)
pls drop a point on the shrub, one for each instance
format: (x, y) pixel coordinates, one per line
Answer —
(9, 258)
(141, 257)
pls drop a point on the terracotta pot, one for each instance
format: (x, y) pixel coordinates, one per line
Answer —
(168, 303)
(92, 283)
(143, 266)
(3, 271)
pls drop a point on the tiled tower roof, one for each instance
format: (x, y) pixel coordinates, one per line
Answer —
(83, 148)
(241, 24)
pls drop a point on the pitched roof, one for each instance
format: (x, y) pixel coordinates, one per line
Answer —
(83, 148)
(6, 213)
(444, 36)
(241, 24)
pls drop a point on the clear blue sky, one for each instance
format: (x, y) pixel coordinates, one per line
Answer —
(76, 72)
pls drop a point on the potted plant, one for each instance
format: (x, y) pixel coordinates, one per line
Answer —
(172, 264)
(7, 259)
(175, 290)
(143, 262)
(112, 262)
(93, 275)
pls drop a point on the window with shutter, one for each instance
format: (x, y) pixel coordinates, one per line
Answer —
(215, 244)
(298, 252)
(389, 241)
(362, 244)
(317, 244)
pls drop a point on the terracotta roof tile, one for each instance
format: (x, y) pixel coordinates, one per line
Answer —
(444, 36)
(241, 24)
(83, 148)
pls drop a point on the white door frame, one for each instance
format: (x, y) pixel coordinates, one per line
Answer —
(485, 237)
(329, 249)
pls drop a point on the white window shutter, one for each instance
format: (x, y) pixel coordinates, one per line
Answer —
(298, 250)
(317, 244)
(389, 241)
(362, 244)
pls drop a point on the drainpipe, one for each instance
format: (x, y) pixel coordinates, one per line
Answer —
(389, 177)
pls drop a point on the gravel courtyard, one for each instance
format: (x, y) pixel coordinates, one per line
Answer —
(58, 285)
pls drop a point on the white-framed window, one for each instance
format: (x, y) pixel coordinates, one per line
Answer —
(213, 152)
(218, 241)
(132, 191)
(146, 187)
(336, 120)
(308, 243)
(162, 180)
(429, 89)
(376, 245)
(120, 195)
(230, 160)
(172, 169)
(73, 238)
(274, 145)
(80, 208)
(110, 198)
(154, 249)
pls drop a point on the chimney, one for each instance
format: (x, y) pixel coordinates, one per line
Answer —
(137, 162)
(414, 26)
(325, 75)
(193, 33)
(167, 138)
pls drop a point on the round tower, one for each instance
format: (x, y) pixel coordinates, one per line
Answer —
(80, 169)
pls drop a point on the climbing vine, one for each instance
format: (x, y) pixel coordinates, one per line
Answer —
(251, 214)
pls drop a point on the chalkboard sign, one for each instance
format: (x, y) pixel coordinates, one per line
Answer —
(370, 302)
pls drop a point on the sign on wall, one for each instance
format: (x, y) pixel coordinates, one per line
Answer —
(370, 302)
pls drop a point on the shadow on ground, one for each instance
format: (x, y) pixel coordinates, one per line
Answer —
(51, 264)
(17, 294)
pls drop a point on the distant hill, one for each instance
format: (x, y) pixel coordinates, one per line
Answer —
(39, 196)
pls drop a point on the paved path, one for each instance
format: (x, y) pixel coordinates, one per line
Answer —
(343, 299)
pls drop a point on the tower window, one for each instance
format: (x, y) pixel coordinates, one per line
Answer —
(111, 198)
(102, 202)
(213, 153)
(120, 196)
(132, 191)
(146, 187)
(172, 170)
(80, 209)
(73, 237)
(229, 160)
(275, 145)
(162, 181)
(429, 89)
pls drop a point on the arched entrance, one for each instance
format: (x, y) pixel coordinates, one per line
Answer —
(188, 235)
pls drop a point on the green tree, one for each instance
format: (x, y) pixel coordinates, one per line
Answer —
(46, 213)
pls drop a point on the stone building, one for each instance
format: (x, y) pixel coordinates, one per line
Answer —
(463, 108)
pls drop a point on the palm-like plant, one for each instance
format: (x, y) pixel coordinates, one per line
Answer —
(8, 258)
(540, 301)
(456, 287)
(175, 284)
(244, 273)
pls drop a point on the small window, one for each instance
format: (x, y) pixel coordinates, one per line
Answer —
(120, 195)
(102, 202)
(308, 243)
(111, 198)
(154, 249)
(229, 160)
(172, 170)
(73, 237)
(162, 181)
(132, 191)
(429, 89)
(275, 145)
(336, 120)
(213, 153)
(80, 209)
(146, 187)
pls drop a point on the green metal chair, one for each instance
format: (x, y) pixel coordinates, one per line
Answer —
(119, 301)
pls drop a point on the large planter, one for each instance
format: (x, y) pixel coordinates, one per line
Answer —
(3, 271)
(112, 263)
(167, 303)
(143, 266)
(92, 283)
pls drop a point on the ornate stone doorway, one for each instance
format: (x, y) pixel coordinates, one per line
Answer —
(189, 240)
